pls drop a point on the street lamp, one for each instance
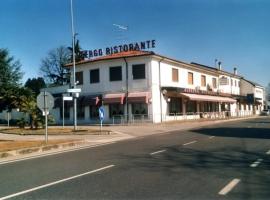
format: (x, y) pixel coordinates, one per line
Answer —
(74, 73)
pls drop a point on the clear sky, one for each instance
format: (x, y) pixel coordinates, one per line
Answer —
(237, 32)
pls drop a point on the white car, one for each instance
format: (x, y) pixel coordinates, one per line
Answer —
(265, 112)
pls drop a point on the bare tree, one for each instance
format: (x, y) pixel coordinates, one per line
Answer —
(53, 66)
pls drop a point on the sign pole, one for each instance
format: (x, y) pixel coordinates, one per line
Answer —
(101, 117)
(45, 102)
(8, 117)
(63, 113)
(100, 126)
(46, 117)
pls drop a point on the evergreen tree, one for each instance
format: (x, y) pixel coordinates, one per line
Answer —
(77, 50)
(35, 84)
(10, 80)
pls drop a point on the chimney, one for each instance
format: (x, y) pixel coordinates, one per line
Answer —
(235, 71)
(216, 60)
(219, 65)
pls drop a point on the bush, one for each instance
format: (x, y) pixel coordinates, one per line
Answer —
(21, 123)
(3, 121)
(13, 122)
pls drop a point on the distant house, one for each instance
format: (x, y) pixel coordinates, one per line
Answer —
(254, 93)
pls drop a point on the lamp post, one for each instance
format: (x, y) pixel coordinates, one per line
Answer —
(74, 73)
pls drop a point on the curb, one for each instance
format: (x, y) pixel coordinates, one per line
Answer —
(41, 149)
(73, 145)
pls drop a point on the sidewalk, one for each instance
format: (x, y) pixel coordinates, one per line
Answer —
(122, 132)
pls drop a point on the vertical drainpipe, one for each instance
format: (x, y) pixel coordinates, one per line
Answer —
(127, 89)
(160, 92)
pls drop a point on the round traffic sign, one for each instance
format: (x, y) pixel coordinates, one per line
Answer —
(45, 101)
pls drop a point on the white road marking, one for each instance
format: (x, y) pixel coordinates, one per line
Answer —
(190, 143)
(156, 152)
(54, 153)
(229, 186)
(211, 137)
(268, 152)
(256, 163)
(54, 183)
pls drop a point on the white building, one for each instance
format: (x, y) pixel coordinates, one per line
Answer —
(255, 95)
(141, 85)
(144, 86)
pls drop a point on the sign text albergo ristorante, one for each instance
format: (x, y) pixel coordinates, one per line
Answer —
(137, 46)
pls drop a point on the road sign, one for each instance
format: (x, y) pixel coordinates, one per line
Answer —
(101, 113)
(45, 101)
(67, 98)
(74, 90)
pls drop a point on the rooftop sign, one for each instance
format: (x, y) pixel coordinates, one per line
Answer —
(137, 46)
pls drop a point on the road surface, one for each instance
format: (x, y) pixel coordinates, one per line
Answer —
(224, 161)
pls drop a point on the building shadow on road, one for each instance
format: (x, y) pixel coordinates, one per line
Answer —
(257, 133)
(206, 165)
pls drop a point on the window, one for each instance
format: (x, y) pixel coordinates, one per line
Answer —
(66, 112)
(116, 73)
(190, 78)
(203, 81)
(174, 75)
(231, 82)
(116, 110)
(175, 105)
(235, 83)
(93, 111)
(214, 82)
(139, 109)
(94, 76)
(80, 111)
(238, 83)
(79, 78)
(191, 107)
(138, 71)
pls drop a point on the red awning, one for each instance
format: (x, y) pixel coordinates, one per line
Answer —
(197, 97)
(114, 98)
(138, 97)
(90, 100)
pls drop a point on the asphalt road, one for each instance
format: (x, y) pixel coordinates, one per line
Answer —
(225, 161)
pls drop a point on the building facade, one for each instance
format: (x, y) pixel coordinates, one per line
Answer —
(144, 86)
(147, 87)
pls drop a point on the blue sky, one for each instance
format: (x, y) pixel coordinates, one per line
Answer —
(237, 32)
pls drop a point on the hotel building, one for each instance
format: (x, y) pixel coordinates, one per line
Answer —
(144, 86)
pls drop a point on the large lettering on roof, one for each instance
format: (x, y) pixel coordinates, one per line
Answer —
(136, 46)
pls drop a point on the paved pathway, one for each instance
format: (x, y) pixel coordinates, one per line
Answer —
(121, 131)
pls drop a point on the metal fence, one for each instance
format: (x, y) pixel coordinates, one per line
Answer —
(144, 118)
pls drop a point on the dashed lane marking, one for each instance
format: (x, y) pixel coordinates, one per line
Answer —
(256, 163)
(268, 152)
(211, 137)
(56, 182)
(190, 142)
(156, 152)
(229, 187)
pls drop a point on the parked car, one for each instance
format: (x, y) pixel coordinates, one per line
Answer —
(265, 112)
